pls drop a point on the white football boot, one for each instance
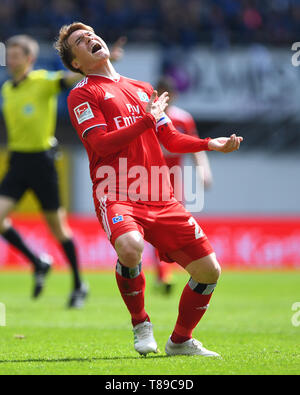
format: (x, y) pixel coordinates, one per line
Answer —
(144, 341)
(190, 347)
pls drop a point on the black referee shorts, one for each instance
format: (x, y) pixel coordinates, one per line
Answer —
(35, 171)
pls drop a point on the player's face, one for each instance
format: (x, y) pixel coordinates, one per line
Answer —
(17, 60)
(89, 50)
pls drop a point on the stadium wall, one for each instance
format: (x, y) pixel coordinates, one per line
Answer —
(235, 84)
(239, 242)
(244, 183)
(242, 83)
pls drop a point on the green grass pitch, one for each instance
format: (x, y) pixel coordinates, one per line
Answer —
(249, 323)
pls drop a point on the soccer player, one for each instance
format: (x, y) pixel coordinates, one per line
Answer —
(121, 122)
(183, 122)
(29, 109)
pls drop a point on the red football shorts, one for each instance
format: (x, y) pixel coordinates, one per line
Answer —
(170, 228)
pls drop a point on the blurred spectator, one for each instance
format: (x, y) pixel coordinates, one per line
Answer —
(168, 22)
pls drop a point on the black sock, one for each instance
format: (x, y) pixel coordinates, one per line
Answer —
(70, 251)
(13, 238)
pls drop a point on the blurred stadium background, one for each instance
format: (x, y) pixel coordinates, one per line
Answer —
(232, 65)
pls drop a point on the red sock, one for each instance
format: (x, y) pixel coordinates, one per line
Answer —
(132, 291)
(192, 306)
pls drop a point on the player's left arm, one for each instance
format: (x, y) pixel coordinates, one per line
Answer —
(179, 143)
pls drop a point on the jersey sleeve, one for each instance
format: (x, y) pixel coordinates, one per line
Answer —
(51, 81)
(180, 143)
(84, 112)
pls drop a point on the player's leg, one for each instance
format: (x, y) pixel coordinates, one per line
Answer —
(194, 302)
(130, 277)
(121, 222)
(58, 224)
(180, 239)
(131, 283)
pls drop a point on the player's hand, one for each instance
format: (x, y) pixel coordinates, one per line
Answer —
(225, 144)
(117, 50)
(156, 106)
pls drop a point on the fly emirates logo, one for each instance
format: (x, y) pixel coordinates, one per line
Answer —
(135, 114)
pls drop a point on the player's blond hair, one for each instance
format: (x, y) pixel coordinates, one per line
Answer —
(28, 44)
(63, 47)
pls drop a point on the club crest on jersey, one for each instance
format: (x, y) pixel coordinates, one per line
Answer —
(83, 112)
(117, 219)
(143, 96)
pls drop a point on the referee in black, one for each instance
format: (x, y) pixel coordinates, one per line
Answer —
(29, 110)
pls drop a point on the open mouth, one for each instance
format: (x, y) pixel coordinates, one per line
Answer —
(96, 48)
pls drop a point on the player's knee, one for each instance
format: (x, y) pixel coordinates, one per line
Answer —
(210, 276)
(205, 270)
(215, 271)
(130, 256)
(129, 248)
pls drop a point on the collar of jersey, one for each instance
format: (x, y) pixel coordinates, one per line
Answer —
(16, 84)
(104, 76)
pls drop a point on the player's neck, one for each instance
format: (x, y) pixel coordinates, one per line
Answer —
(105, 70)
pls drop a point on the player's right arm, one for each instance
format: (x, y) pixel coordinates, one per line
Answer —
(89, 122)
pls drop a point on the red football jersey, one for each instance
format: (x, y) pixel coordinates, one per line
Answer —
(111, 105)
(184, 123)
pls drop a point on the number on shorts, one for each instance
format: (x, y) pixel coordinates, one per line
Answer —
(198, 231)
